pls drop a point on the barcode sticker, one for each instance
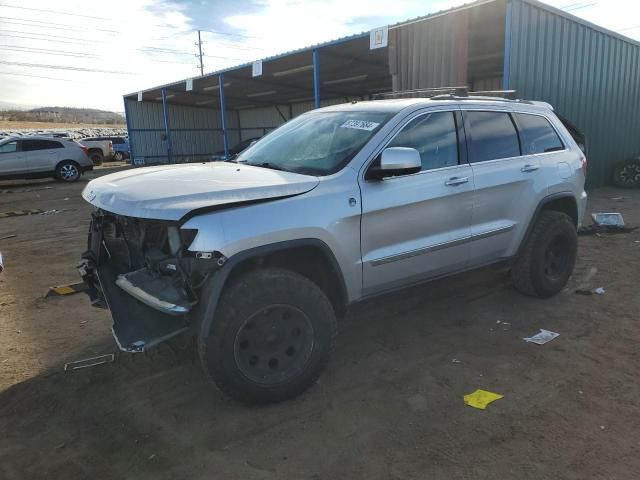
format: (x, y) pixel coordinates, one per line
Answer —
(360, 125)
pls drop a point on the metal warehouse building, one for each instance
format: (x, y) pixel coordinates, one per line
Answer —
(589, 74)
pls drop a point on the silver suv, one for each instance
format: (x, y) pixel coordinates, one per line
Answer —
(39, 157)
(257, 258)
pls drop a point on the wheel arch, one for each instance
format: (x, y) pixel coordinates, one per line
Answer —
(564, 202)
(320, 266)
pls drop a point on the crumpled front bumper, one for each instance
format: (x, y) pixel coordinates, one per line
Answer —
(136, 325)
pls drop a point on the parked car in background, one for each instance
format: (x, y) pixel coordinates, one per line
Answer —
(38, 157)
(100, 149)
(257, 258)
(235, 150)
(120, 146)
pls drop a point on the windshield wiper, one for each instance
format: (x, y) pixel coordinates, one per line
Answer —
(268, 165)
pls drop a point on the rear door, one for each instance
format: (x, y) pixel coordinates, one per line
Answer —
(41, 155)
(507, 184)
(11, 159)
(415, 226)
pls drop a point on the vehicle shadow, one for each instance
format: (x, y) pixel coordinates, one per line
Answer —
(155, 415)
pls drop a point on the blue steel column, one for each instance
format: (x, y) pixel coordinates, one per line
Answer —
(167, 128)
(316, 78)
(506, 80)
(128, 120)
(223, 116)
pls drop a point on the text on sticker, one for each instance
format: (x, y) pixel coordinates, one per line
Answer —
(360, 125)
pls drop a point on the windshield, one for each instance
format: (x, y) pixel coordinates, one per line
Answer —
(319, 143)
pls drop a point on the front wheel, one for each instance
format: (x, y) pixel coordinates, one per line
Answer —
(272, 336)
(67, 171)
(548, 257)
(118, 156)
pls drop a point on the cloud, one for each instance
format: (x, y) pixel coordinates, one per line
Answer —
(152, 41)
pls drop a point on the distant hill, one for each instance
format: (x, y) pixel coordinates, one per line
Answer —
(63, 115)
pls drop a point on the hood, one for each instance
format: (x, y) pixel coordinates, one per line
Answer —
(169, 192)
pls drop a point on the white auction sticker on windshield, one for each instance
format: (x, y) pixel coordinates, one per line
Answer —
(360, 125)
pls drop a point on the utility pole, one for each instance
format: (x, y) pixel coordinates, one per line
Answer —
(199, 44)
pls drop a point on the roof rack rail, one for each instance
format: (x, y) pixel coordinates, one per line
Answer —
(449, 93)
(422, 93)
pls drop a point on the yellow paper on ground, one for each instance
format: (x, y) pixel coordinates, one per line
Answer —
(481, 398)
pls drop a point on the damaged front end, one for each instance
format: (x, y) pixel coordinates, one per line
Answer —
(142, 271)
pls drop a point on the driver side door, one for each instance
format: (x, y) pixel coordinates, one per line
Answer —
(417, 226)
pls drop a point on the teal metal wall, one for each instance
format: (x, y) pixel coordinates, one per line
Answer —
(590, 75)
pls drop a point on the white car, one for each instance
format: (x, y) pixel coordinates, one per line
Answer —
(39, 157)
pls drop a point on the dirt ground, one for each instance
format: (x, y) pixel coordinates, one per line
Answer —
(390, 405)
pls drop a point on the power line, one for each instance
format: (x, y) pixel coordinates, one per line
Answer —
(38, 21)
(64, 67)
(58, 27)
(41, 39)
(49, 35)
(41, 76)
(57, 12)
(47, 51)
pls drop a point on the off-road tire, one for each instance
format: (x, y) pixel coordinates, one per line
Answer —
(118, 157)
(96, 157)
(68, 171)
(258, 294)
(531, 273)
(627, 174)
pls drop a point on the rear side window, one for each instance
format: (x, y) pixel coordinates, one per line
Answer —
(117, 140)
(31, 145)
(10, 147)
(434, 136)
(537, 134)
(493, 136)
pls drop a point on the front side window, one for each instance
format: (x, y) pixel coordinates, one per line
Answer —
(434, 136)
(10, 147)
(537, 134)
(318, 143)
(493, 136)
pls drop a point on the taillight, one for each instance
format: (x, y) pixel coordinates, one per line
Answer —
(584, 166)
(85, 150)
(110, 145)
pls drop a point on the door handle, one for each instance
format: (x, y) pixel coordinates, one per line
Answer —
(529, 168)
(455, 181)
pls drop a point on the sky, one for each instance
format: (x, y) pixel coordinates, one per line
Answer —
(89, 53)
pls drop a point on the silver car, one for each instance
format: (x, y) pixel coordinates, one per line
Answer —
(258, 258)
(39, 157)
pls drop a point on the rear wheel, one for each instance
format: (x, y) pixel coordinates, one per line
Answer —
(118, 156)
(548, 257)
(272, 336)
(67, 171)
(96, 157)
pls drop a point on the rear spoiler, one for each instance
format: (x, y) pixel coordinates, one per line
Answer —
(578, 136)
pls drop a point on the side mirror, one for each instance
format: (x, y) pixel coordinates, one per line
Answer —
(396, 161)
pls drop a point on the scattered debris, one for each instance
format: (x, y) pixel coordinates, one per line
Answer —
(599, 291)
(608, 219)
(1, 263)
(90, 362)
(8, 237)
(481, 398)
(20, 213)
(542, 337)
(617, 199)
(583, 291)
(66, 289)
(455, 360)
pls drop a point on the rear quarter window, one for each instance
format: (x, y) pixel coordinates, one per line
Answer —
(537, 134)
(493, 136)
